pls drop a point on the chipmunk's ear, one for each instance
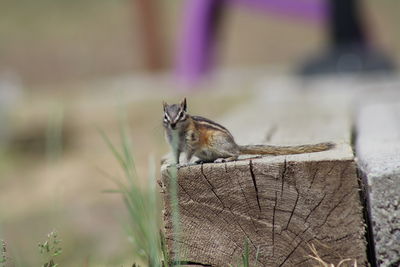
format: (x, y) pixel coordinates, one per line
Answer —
(164, 105)
(183, 104)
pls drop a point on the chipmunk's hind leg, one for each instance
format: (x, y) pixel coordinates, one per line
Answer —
(200, 161)
(225, 149)
(220, 160)
(216, 156)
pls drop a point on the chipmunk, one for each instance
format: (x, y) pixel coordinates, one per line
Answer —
(212, 142)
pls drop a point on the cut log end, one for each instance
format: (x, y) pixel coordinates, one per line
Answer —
(282, 206)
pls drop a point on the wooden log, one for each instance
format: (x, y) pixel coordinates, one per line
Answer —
(282, 205)
(378, 146)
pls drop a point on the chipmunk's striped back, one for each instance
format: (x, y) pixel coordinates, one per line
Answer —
(204, 122)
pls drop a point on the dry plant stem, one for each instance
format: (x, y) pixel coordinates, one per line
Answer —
(322, 263)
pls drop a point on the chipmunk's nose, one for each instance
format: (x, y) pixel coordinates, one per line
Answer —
(173, 125)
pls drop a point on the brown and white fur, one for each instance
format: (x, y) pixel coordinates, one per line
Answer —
(212, 142)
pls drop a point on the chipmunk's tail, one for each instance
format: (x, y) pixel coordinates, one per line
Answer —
(284, 150)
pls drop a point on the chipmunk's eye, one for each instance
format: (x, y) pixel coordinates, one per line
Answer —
(181, 115)
(166, 118)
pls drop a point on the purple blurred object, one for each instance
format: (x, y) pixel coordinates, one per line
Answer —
(196, 46)
(196, 49)
(311, 10)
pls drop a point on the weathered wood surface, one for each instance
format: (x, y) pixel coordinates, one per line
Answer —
(281, 204)
(378, 152)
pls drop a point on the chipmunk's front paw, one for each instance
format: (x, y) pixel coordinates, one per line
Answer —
(179, 165)
(173, 165)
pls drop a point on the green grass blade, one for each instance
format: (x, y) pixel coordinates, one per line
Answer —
(245, 255)
(114, 151)
(257, 254)
(142, 204)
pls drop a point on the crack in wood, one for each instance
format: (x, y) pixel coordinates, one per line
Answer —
(333, 208)
(290, 254)
(245, 198)
(315, 207)
(284, 170)
(184, 190)
(248, 218)
(234, 251)
(304, 261)
(210, 184)
(245, 233)
(341, 179)
(313, 177)
(331, 240)
(235, 214)
(212, 209)
(273, 224)
(240, 226)
(294, 207)
(327, 174)
(349, 223)
(301, 233)
(201, 219)
(253, 177)
(289, 231)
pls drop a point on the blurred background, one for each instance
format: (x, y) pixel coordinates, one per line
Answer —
(66, 66)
